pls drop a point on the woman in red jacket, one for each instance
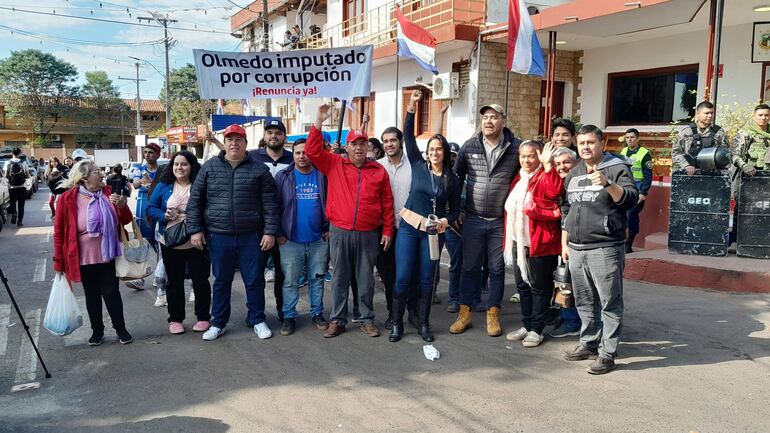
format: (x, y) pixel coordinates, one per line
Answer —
(533, 236)
(86, 242)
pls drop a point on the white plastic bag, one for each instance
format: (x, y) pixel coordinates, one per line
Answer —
(62, 315)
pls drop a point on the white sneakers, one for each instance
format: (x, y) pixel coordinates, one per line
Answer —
(213, 333)
(135, 284)
(262, 331)
(160, 300)
(533, 339)
(517, 335)
(269, 275)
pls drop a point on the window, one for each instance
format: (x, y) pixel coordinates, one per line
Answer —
(12, 144)
(652, 96)
(426, 112)
(151, 117)
(353, 16)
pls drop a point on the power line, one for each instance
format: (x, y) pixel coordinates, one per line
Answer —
(51, 38)
(104, 20)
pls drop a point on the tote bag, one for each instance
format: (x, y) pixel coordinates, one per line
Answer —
(134, 264)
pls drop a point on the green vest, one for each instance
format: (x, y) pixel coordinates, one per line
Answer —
(636, 168)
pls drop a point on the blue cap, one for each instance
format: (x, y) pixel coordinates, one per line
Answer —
(275, 124)
(327, 137)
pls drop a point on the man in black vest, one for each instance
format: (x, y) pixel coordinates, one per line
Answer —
(695, 137)
(487, 163)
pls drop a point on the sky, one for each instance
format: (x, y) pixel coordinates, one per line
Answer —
(92, 45)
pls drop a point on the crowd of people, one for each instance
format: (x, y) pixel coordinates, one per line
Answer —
(314, 210)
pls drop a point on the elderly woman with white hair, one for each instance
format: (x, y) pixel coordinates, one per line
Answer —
(87, 241)
(532, 241)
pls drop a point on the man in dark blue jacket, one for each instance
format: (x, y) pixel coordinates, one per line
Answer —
(272, 153)
(233, 208)
(598, 193)
(303, 236)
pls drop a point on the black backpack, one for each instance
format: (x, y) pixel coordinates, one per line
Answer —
(16, 175)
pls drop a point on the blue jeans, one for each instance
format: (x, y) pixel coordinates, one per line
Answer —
(413, 258)
(225, 252)
(454, 245)
(296, 259)
(482, 242)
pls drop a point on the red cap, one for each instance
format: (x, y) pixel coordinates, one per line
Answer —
(154, 147)
(355, 134)
(235, 129)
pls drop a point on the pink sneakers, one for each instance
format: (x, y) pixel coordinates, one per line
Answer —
(201, 326)
(175, 328)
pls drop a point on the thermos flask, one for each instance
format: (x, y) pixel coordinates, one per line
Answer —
(432, 229)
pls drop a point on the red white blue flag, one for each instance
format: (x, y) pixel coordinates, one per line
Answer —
(415, 42)
(524, 53)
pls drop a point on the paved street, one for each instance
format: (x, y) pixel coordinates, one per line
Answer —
(691, 360)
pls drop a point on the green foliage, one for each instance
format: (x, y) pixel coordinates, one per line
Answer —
(103, 111)
(186, 105)
(36, 88)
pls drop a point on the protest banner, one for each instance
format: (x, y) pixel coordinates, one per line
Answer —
(344, 73)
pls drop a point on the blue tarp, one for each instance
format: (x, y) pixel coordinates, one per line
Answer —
(221, 121)
(343, 137)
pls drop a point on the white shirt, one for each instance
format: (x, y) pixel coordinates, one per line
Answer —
(400, 182)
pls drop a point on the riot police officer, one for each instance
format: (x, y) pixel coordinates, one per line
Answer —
(695, 137)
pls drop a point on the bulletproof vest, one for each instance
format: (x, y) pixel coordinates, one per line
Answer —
(700, 142)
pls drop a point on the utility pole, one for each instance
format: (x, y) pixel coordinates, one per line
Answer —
(266, 48)
(138, 99)
(164, 21)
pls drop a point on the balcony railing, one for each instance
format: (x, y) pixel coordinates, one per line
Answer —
(378, 26)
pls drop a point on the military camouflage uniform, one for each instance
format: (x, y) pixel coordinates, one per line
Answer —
(750, 150)
(683, 144)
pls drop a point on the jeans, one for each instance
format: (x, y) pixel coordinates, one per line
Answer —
(226, 250)
(353, 253)
(454, 245)
(482, 238)
(176, 263)
(100, 282)
(571, 318)
(413, 259)
(18, 198)
(597, 281)
(535, 297)
(296, 258)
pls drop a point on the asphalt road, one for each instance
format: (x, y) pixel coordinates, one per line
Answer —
(691, 360)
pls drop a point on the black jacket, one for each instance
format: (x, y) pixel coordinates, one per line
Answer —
(590, 216)
(486, 189)
(231, 201)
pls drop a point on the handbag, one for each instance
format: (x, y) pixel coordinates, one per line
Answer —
(176, 235)
(562, 292)
(541, 209)
(134, 263)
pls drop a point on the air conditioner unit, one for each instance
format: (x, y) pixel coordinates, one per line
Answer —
(446, 86)
(55, 137)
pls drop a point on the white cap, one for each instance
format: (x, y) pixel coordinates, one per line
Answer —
(79, 154)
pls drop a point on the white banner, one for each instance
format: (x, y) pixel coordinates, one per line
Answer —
(344, 73)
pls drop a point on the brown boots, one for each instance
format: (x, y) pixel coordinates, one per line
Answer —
(493, 322)
(463, 321)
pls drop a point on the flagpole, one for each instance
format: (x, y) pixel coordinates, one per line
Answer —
(507, 80)
(397, 91)
(342, 118)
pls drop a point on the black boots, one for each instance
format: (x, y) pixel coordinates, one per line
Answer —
(397, 331)
(426, 300)
(630, 243)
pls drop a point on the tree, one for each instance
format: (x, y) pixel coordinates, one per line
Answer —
(187, 108)
(102, 111)
(36, 89)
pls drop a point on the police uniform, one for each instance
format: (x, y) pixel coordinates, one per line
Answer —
(641, 169)
(750, 150)
(691, 140)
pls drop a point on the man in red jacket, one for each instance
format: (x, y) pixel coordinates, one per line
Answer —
(359, 201)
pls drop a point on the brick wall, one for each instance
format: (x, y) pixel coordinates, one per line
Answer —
(524, 91)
